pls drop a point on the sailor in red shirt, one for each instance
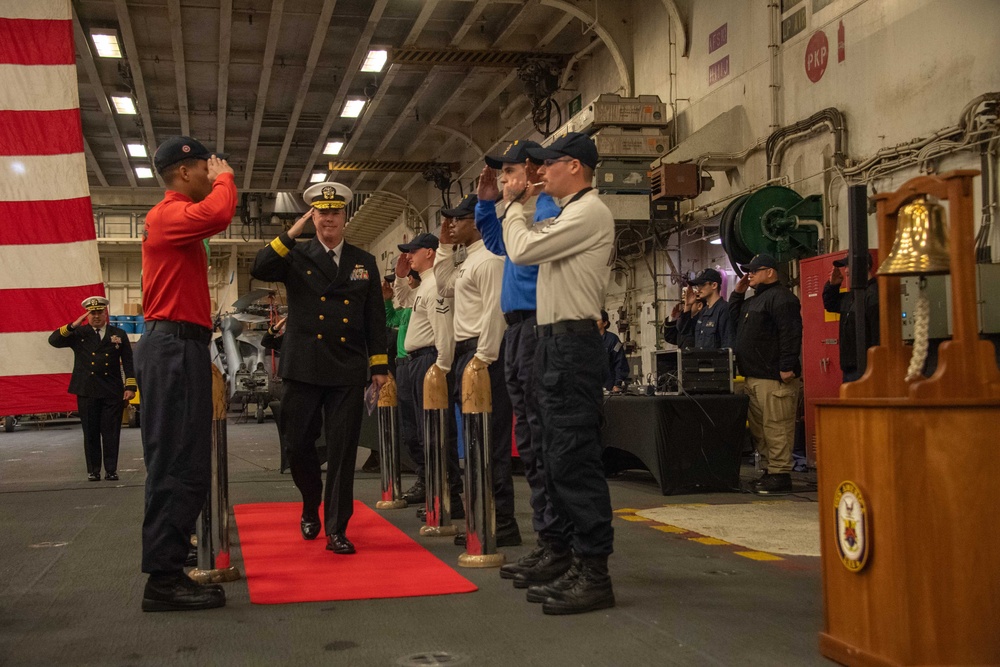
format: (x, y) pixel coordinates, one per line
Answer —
(174, 368)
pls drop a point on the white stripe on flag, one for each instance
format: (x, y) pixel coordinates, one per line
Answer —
(43, 177)
(31, 354)
(50, 265)
(38, 87)
(36, 9)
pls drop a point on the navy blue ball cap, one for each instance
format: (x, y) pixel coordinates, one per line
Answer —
(516, 153)
(463, 210)
(762, 261)
(706, 276)
(178, 149)
(425, 240)
(575, 145)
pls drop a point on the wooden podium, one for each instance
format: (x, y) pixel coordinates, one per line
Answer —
(908, 489)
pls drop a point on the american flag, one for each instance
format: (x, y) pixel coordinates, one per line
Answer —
(48, 249)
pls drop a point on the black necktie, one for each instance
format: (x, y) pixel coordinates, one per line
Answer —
(333, 258)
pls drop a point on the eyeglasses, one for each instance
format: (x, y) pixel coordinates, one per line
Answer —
(550, 162)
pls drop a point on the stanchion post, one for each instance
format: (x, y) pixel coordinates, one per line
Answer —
(480, 516)
(388, 445)
(212, 567)
(437, 496)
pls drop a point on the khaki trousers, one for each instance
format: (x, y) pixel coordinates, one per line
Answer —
(772, 421)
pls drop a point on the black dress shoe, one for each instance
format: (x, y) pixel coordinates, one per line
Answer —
(111, 477)
(310, 527)
(339, 544)
(416, 494)
(422, 512)
(177, 592)
(94, 477)
(778, 484)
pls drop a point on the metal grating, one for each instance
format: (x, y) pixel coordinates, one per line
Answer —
(376, 213)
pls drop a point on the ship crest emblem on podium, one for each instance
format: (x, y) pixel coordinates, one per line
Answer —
(852, 525)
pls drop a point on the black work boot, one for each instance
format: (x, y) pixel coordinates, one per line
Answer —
(416, 494)
(530, 559)
(176, 592)
(565, 582)
(552, 565)
(778, 484)
(591, 590)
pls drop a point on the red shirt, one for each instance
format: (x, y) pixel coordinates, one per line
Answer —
(174, 266)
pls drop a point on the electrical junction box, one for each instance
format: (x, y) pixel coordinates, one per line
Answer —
(622, 176)
(647, 142)
(614, 110)
(675, 181)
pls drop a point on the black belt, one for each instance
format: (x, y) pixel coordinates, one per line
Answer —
(515, 316)
(565, 327)
(184, 330)
(419, 352)
(467, 345)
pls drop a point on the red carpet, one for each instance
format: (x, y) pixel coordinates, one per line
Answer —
(281, 567)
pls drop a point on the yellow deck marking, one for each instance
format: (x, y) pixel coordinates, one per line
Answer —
(626, 510)
(708, 540)
(669, 529)
(632, 517)
(758, 555)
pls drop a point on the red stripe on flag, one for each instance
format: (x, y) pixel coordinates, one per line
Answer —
(40, 132)
(44, 308)
(37, 222)
(36, 42)
(34, 394)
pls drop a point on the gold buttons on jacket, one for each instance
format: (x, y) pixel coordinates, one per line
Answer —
(93, 354)
(309, 273)
(343, 340)
(322, 317)
(345, 320)
(347, 302)
(319, 336)
(322, 298)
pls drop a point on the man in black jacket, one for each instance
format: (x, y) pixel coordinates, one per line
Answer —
(768, 349)
(100, 353)
(842, 303)
(335, 337)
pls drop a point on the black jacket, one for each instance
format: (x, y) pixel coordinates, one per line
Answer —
(97, 363)
(835, 301)
(768, 331)
(336, 320)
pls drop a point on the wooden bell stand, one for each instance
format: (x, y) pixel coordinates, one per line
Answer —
(923, 454)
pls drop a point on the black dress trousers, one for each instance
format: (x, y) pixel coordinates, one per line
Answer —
(305, 409)
(102, 424)
(175, 378)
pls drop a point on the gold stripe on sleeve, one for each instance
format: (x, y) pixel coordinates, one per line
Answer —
(280, 247)
(64, 331)
(378, 360)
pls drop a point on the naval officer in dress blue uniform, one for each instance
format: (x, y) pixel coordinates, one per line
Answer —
(100, 353)
(334, 339)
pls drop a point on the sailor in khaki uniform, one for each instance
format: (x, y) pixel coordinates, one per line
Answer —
(334, 338)
(100, 353)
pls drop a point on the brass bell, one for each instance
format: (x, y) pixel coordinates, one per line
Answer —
(921, 245)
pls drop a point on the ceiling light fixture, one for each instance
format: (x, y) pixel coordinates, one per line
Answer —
(143, 172)
(136, 150)
(716, 241)
(106, 42)
(123, 104)
(317, 177)
(352, 108)
(333, 147)
(375, 61)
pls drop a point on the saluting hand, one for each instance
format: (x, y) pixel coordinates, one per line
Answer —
(386, 290)
(402, 265)
(448, 231)
(300, 224)
(742, 284)
(80, 320)
(488, 190)
(217, 166)
(836, 277)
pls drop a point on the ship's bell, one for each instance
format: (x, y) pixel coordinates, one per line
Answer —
(921, 245)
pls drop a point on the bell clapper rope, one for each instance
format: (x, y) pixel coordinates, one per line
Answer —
(921, 326)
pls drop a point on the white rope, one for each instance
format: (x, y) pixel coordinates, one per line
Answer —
(921, 326)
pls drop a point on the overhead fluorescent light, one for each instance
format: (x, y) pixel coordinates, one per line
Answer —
(352, 109)
(375, 61)
(317, 177)
(136, 150)
(123, 104)
(333, 147)
(143, 172)
(106, 42)
(716, 241)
